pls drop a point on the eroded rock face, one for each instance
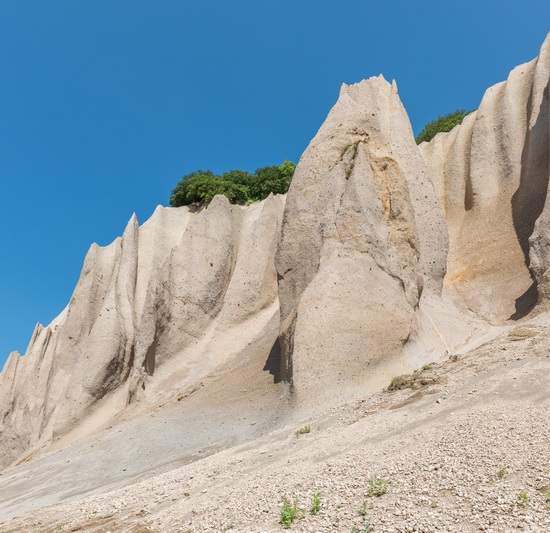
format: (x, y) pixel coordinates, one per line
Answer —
(153, 312)
(363, 242)
(491, 175)
(385, 258)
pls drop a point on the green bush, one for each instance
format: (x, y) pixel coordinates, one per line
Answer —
(290, 512)
(442, 124)
(240, 187)
(198, 188)
(377, 487)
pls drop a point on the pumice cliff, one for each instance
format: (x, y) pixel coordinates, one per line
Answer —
(363, 250)
(152, 314)
(384, 256)
(491, 177)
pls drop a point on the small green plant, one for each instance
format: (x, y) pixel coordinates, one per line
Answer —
(344, 150)
(413, 381)
(60, 526)
(303, 431)
(316, 504)
(366, 528)
(290, 512)
(501, 472)
(523, 497)
(548, 500)
(433, 505)
(377, 486)
(399, 382)
(366, 506)
(229, 526)
(351, 165)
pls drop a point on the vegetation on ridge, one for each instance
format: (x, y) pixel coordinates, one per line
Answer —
(240, 187)
(441, 124)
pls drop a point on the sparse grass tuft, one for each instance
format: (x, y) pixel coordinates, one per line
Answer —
(501, 472)
(399, 382)
(364, 508)
(303, 431)
(434, 504)
(377, 486)
(316, 504)
(351, 165)
(523, 497)
(290, 512)
(413, 380)
(366, 528)
(344, 150)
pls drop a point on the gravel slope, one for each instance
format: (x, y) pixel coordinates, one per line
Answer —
(465, 449)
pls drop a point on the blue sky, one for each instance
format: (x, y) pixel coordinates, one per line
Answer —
(104, 105)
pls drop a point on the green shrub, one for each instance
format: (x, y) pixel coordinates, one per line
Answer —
(442, 124)
(399, 382)
(240, 187)
(364, 508)
(199, 188)
(377, 487)
(290, 512)
(316, 504)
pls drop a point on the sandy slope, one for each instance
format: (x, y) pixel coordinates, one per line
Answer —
(440, 448)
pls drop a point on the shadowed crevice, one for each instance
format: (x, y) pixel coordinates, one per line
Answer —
(273, 362)
(150, 357)
(526, 302)
(529, 199)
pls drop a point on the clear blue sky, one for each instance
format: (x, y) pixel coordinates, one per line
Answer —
(104, 105)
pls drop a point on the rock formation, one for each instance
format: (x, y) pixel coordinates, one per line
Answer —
(491, 176)
(385, 256)
(363, 250)
(152, 313)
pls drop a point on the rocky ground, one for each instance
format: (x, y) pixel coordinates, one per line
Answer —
(462, 446)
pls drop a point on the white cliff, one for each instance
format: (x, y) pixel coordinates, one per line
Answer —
(383, 257)
(152, 314)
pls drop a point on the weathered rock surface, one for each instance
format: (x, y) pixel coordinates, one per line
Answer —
(383, 257)
(491, 176)
(363, 251)
(152, 314)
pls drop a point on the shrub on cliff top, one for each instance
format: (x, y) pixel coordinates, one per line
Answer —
(240, 187)
(442, 124)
